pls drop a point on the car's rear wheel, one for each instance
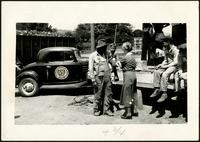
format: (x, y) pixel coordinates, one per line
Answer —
(28, 87)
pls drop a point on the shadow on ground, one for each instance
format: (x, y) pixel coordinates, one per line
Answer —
(176, 108)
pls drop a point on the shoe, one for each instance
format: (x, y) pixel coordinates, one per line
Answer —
(128, 114)
(124, 114)
(116, 78)
(116, 105)
(174, 116)
(152, 111)
(162, 98)
(160, 115)
(126, 117)
(135, 114)
(174, 98)
(118, 108)
(108, 113)
(97, 113)
(112, 109)
(155, 93)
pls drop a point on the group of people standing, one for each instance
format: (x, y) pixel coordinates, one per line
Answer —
(102, 63)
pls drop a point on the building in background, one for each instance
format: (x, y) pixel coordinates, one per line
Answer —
(138, 36)
(138, 43)
(31, 37)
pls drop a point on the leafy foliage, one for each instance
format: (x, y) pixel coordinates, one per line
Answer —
(106, 31)
(35, 26)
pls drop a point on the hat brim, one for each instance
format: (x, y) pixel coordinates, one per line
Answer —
(102, 45)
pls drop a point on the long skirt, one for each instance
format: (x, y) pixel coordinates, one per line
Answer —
(129, 89)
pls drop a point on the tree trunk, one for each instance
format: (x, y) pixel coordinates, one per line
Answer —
(92, 37)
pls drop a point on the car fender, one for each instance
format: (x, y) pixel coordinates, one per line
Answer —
(27, 73)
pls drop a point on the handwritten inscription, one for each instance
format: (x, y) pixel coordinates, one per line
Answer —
(114, 131)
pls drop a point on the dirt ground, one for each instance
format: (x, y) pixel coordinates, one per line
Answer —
(51, 107)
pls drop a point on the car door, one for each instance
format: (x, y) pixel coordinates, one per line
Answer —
(63, 68)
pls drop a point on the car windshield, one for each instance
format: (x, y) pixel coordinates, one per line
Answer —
(77, 54)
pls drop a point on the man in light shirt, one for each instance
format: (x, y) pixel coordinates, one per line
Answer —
(165, 69)
(100, 74)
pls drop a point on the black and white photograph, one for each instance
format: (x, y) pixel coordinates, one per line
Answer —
(104, 73)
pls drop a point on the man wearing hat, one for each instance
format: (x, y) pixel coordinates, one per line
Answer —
(99, 72)
(165, 69)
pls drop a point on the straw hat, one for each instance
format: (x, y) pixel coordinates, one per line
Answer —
(101, 43)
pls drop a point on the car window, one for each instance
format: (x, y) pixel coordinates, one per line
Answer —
(69, 56)
(55, 56)
(60, 56)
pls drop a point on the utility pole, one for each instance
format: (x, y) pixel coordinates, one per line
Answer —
(92, 37)
(115, 34)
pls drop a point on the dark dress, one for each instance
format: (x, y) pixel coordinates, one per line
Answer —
(129, 88)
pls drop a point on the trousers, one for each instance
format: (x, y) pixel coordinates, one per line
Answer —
(103, 95)
(179, 83)
(161, 76)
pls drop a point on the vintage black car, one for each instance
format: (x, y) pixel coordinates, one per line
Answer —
(56, 67)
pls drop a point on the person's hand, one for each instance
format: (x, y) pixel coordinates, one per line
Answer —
(179, 73)
(163, 66)
(94, 83)
(158, 66)
(118, 64)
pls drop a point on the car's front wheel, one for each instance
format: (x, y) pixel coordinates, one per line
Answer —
(28, 87)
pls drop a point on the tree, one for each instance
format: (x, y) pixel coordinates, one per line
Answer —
(82, 33)
(105, 30)
(34, 26)
(138, 33)
(124, 32)
(69, 34)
